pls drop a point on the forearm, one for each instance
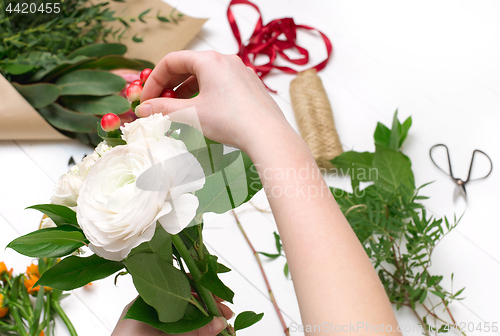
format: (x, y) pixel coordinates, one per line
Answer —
(333, 277)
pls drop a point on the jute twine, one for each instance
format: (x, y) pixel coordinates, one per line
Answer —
(314, 117)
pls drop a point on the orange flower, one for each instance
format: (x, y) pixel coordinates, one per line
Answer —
(29, 281)
(3, 310)
(32, 270)
(42, 333)
(3, 269)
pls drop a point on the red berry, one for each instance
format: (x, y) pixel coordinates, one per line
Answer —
(136, 82)
(110, 122)
(168, 93)
(134, 92)
(145, 74)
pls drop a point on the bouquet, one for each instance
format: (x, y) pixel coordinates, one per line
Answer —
(138, 202)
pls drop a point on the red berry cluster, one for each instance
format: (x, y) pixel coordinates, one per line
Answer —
(111, 122)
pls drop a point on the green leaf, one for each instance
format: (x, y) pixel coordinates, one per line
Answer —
(395, 132)
(393, 168)
(113, 138)
(161, 244)
(286, 270)
(355, 164)
(382, 135)
(99, 50)
(90, 82)
(97, 105)
(37, 312)
(161, 285)
(147, 64)
(62, 68)
(277, 241)
(75, 272)
(38, 95)
(404, 131)
(223, 192)
(210, 280)
(60, 214)
(137, 39)
(112, 62)
(18, 69)
(193, 318)
(222, 268)
(67, 120)
(246, 319)
(270, 255)
(50, 242)
(141, 16)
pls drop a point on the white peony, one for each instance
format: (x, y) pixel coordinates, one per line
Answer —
(135, 185)
(67, 189)
(153, 127)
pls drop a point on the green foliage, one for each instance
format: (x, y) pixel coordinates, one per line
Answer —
(193, 318)
(50, 242)
(60, 214)
(97, 105)
(75, 272)
(246, 319)
(210, 280)
(161, 285)
(279, 248)
(394, 228)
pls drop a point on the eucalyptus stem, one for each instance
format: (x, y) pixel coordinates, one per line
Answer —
(205, 294)
(64, 317)
(286, 330)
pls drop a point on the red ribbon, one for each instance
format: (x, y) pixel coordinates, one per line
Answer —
(264, 40)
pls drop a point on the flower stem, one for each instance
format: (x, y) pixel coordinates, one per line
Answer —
(195, 303)
(205, 294)
(64, 317)
(20, 325)
(286, 330)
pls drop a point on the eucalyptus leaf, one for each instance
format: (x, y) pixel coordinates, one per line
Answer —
(38, 95)
(99, 50)
(161, 285)
(53, 72)
(193, 318)
(50, 242)
(112, 62)
(97, 105)
(67, 120)
(90, 82)
(75, 272)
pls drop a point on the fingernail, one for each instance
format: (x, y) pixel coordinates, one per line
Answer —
(217, 325)
(143, 110)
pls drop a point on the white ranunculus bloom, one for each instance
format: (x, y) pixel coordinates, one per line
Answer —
(132, 187)
(153, 127)
(88, 161)
(67, 189)
(47, 222)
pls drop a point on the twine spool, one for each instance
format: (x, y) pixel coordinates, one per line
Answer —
(314, 117)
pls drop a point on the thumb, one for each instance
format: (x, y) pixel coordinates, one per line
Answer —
(163, 105)
(212, 329)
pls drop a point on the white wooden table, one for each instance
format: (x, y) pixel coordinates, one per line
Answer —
(437, 61)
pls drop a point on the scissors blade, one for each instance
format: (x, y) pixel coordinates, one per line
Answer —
(459, 192)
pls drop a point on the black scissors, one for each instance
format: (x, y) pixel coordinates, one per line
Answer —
(461, 183)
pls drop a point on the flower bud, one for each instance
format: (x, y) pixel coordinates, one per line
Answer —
(168, 93)
(110, 122)
(134, 92)
(145, 74)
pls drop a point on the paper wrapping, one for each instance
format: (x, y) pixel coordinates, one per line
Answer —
(20, 121)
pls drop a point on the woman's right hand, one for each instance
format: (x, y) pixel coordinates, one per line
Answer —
(233, 105)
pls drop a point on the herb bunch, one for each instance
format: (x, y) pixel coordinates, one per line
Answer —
(394, 228)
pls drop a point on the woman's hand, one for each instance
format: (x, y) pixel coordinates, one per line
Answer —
(134, 328)
(233, 105)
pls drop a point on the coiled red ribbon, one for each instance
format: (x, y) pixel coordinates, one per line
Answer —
(265, 41)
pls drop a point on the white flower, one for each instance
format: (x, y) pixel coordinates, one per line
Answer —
(67, 189)
(47, 222)
(152, 127)
(132, 187)
(88, 161)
